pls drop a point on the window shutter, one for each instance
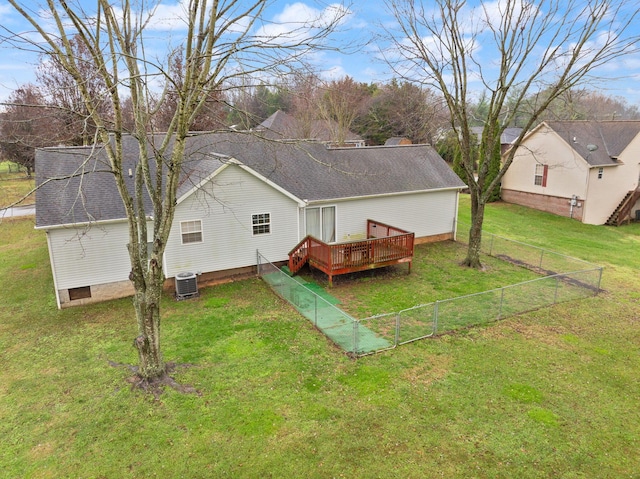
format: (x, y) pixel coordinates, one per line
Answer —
(544, 175)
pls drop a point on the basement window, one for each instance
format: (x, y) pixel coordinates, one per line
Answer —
(261, 224)
(83, 292)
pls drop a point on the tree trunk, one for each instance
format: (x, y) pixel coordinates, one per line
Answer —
(147, 306)
(475, 232)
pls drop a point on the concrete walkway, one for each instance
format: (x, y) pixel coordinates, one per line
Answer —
(16, 211)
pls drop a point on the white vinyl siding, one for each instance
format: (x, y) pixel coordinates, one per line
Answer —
(86, 257)
(261, 224)
(191, 231)
(425, 214)
(227, 225)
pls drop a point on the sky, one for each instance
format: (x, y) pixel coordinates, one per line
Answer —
(359, 54)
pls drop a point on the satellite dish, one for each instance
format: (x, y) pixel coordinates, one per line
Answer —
(592, 147)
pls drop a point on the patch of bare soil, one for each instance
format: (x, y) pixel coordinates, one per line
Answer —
(156, 386)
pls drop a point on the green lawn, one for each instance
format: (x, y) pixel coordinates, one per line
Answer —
(15, 185)
(553, 393)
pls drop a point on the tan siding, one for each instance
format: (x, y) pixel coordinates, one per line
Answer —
(606, 193)
(567, 173)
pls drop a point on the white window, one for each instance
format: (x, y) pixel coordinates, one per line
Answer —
(540, 175)
(600, 173)
(321, 223)
(191, 231)
(261, 224)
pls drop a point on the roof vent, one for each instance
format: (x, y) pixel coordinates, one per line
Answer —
(592, 147)
(186, 286)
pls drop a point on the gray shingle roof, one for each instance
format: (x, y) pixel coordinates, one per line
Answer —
(598, 142)
(281, 125)
(307, 170)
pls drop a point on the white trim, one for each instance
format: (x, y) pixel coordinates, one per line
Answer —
(382, 195)
(270, 223)
(455, 217)
(86, 223)
(53, 269)
(182, 233)
(232, 161)
(335, 220)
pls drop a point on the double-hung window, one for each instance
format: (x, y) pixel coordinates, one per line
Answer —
(540, 176)
(261, 224)
(191, 231)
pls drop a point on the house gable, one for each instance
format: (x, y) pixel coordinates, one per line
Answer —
(227, 206)
(588, 168)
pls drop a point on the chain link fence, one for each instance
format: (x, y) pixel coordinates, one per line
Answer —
(563, 279)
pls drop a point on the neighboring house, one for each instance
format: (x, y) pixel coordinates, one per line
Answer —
(508, 136)
(238, 194)
(586, 170)
(283, 126)
(397, 141)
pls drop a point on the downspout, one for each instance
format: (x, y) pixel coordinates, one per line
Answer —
(53, 269)
(455, 217)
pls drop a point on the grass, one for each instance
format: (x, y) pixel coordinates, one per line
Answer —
(553, 393)
(15, 185)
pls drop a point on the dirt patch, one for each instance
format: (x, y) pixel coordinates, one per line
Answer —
(157, 386)
(434, 369)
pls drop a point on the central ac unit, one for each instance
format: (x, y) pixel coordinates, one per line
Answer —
(186, 286)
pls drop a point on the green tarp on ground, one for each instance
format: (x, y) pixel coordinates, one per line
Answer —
(314, 303)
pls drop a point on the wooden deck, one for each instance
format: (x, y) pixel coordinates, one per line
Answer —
(385, 246)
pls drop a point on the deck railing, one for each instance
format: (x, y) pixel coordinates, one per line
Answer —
(386, 245)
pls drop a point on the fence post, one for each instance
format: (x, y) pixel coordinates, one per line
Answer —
(599, 282)
(541, 256)
(491, 245)
(315, 310)
(501, 302)
(397, 338)
(435, 318)
(355, 337)
(555, 295)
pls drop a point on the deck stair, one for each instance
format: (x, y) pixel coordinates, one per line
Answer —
(622, 212)
(385, 245)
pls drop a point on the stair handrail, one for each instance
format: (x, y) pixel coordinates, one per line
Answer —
(625, 208)
(296, 263)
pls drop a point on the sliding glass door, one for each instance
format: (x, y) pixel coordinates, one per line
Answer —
(321, 223)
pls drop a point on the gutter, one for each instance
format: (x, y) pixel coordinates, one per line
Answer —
(85, 223)
(383, 195)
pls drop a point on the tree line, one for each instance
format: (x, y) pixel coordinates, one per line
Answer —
(51, 111)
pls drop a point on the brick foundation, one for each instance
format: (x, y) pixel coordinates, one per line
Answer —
(551, 204)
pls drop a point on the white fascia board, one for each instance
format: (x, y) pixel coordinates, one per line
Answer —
(227, 161)
(232, 161)
(383, 195)
(85, 223)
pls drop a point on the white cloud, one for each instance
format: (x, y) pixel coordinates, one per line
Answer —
(298, 21)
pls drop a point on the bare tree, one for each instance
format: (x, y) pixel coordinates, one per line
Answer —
(340, 104)
(532, 46)
(583, 104)
(60, 91)
(303, 100)
(223, 39)
(26, 124)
